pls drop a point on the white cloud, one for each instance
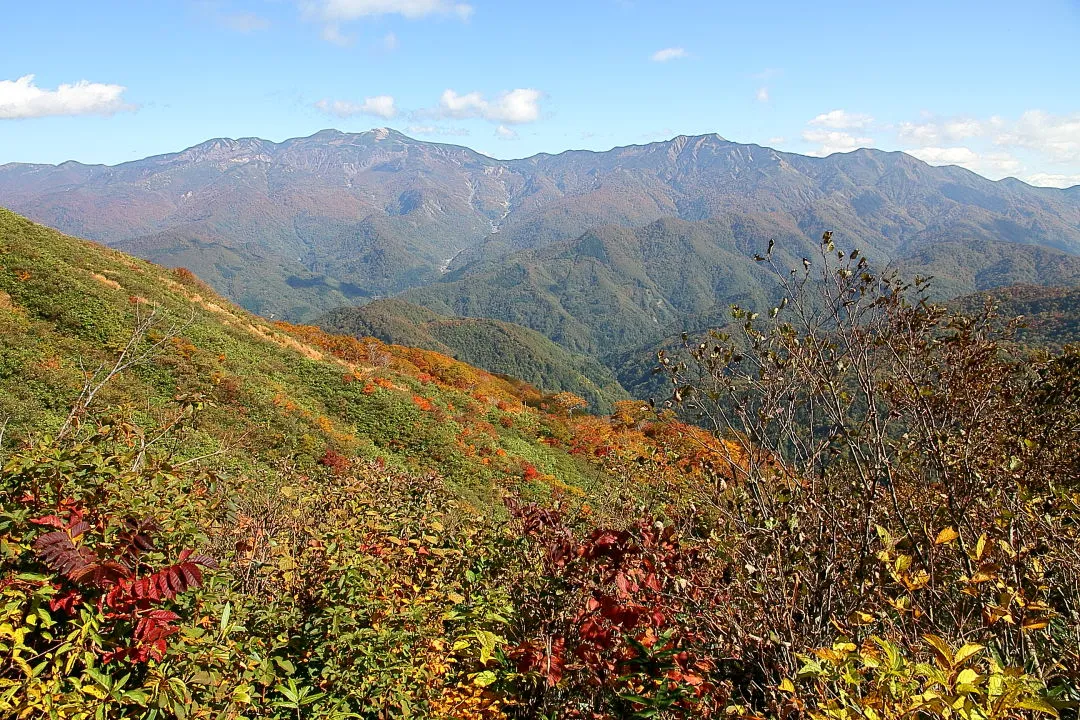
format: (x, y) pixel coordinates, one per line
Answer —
(922, 134)
(331, 33)
(518, 106)
(245, 22)
(505, 133)
(842, 120)
(763, 94)
(834, 141)
(436, 130)
(935, 132)
(23, 99)
(332, 13)
(946, 155)
(345, 10)
(993, 164)
(1051, 180)
(774, 141)
(1028, 146)
(1055, 136)
(671, 53)
(389, 42)
(1000, 163)
(380, 106)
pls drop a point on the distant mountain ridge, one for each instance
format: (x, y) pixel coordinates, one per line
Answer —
(296, 228)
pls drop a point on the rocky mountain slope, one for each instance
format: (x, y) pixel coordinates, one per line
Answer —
(302, 226)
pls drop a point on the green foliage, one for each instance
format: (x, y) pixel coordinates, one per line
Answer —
(495, 346)
(266, 520)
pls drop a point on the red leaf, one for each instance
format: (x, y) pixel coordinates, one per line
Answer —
(59, 552)
(101, 575)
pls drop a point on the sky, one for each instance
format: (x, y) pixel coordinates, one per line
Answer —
(991, 86)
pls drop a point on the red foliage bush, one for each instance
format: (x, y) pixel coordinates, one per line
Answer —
(335, 461)
(109, 574)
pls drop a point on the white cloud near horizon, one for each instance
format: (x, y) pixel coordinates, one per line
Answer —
(1051, 180)
(842, 120)
(762, 94)
(22, 98)
(1057, 137)
(936, 132)
(516, 107)
(834, 141)
(505, 133)
(1032, 146)
(668, 54)
(379, 106)
(994, 163)
(436, 130)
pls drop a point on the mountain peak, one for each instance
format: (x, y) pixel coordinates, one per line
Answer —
(382, 133)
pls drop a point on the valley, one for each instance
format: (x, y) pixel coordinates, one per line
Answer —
(603, 253)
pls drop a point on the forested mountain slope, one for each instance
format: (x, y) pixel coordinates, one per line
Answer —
(308, 224)
(493, 345)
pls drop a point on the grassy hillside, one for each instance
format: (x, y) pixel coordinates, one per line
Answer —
(492, 345)
(270, 393)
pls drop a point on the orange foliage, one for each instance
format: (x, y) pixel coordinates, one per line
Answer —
(184, 275)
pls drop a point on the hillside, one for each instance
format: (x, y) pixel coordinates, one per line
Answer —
(205, 514)
(300, 227)
(495, 346)
(271, 393)
(1051, 315)
(614, 290)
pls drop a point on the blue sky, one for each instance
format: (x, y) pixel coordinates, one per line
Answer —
(993, 86)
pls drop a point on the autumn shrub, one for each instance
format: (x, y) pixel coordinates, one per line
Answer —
(881, 680)
(98, 569)
(612, 622)
(901, 475)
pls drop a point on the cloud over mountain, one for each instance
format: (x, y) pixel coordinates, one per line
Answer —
(379, 106)
(22, 98)
(518, 106)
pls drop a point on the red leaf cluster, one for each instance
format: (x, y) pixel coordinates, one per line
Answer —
(108, 574)
(626, 594)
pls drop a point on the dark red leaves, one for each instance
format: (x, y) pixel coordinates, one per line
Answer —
(59, 552)
(621, 599)
(165, 584)
(335, 461)
(137, 537)
(107, 573)
(66, 601)
(101, 575)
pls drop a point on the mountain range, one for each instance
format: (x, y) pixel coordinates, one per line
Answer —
(601, 252)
